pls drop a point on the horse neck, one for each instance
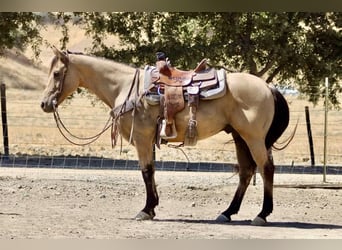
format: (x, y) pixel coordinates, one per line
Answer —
(108, 80)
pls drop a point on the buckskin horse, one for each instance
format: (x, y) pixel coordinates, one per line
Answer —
(255, 113)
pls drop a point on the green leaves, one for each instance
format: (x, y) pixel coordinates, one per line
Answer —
(19, 29)
(294, 48)
(301, 48)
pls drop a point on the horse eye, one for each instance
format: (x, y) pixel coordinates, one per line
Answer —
(56, 75)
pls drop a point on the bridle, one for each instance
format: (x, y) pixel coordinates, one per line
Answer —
(111, 122)
(65, 132)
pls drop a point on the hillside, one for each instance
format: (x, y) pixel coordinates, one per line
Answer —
(19, 70)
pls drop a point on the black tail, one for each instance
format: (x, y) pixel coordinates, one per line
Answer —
(280, 119)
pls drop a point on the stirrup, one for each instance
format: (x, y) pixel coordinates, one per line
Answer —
(170, 134)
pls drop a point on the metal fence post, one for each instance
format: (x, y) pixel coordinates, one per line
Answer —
(325, 129)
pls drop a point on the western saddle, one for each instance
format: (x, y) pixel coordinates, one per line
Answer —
(174, 86)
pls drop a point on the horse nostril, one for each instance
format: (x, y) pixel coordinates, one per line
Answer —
(42, 105)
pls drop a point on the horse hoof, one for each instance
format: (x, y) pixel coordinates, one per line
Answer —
(258, 221)
(223, 218)
(143, 216)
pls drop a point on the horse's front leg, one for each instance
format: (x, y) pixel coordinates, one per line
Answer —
(152, 198)
(147, 168)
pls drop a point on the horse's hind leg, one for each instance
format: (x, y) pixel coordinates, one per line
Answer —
(247, 168)
(266, 169)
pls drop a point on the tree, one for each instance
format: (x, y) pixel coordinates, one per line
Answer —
(294, 48)
(19, 30)
(291, 47)
(300, 48)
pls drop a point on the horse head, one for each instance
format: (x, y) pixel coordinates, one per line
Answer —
(62, 81)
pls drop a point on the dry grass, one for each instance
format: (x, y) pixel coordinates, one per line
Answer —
(33, 132)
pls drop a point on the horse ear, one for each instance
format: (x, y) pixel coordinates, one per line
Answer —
(62, 56)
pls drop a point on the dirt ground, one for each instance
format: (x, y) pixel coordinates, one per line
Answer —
(100, 204)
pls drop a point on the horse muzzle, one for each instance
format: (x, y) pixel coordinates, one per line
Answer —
(49, 104)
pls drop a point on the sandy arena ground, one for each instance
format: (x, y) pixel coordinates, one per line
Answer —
(64, 203)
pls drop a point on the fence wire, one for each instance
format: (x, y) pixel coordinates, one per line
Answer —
(34, 140)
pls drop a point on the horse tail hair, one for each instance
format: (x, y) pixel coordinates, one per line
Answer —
(280, 120)
(282, 145)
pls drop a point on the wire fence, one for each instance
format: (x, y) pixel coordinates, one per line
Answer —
(34, 140)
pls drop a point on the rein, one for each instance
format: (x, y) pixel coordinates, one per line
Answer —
(127, 105)
(111, 122)
(65, 132)
(61, 126)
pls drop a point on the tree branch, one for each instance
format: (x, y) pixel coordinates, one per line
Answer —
(268, 65)
(252, 66)
(274, 73)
